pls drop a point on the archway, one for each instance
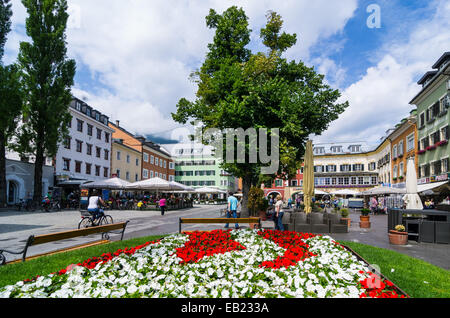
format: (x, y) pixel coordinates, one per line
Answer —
(13, 191)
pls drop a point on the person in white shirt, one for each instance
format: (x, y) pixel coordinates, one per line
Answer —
(95, 203)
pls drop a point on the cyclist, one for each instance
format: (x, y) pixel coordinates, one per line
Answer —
(95, 202)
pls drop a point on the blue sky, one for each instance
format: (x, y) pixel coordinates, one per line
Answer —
(134, 57)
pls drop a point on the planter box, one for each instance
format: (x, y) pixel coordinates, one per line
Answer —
(364, 224)
(398, 238)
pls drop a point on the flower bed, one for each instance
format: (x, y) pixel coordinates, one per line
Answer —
(233, 263)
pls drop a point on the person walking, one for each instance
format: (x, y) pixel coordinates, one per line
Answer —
(278, 218)
(232, 208)
(95, 202)
(162, 204)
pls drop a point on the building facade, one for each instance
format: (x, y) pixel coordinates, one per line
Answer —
(403, 146)
(86, 153)
(433, 120)
(126, 162)
(156, 161)
(197, 167)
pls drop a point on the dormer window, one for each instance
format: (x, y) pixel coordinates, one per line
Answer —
(336, 149)
(78, 106)
(355, 148)
(319, 150)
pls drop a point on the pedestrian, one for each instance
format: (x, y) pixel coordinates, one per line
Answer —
(298, 202)
(232, 208)
(95, 204)
(290, 202)
(162, 204)
(278, 218)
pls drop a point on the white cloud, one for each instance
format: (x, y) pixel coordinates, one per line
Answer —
(380, 99)
(142, 52)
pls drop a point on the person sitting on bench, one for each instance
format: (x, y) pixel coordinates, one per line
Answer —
(95, 202)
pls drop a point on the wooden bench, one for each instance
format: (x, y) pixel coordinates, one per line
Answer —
(59, 236)
(251, 220)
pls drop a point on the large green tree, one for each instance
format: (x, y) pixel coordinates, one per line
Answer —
(240, 89)
(10, 97)
(47, 80)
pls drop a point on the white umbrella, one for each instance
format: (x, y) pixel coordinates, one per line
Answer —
(316, 192)
(346, 192)
(209, 190)
(411, 197)
(383, 190)
(155, 184)
(185, 188)
(113, 184)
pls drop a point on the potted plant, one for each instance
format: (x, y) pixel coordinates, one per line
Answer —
(344, 215)
(364, 218)
(399, 236)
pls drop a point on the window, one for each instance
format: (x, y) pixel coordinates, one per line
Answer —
(360, 180)
(97, 171)
(98, 151)
(319, 150)
(127, 175)
(118, 173)
(444, 133)
(171, 178)
(89, 149)
(374, 180)
(136, 177)
(444, 165)
(151, 174)
(79, 125)
(410, 142)
(354, 180)
(106, 137)
(67, 142)
(355, 148)
(165, 164)
(171, 166)
(156, 161)
(106, 154)
(435, 137)
(79, 146)
(437, 167)
(278, 183)
(78, 166)
(145, 173)
(422, 120)
(152, 159)
(160, 175)
(358, 167)
(89, 130)
(400, 148)
(394, 151)
(400, 169)
(66, 164)
(318, 169)
(118, 155)
(346, 168)
(340, 181)
(88, 168)
(395, 171)
(128, 158)
(366, 180)
(372, 166)
(105, 172)
(330, 168)
(137, 161)
(145, 157)
(78, 105)
(99, 134)
(337, 149)
(346, 180)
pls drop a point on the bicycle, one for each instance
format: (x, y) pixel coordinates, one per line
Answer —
(87, 220)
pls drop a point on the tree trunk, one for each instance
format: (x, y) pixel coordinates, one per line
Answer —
(246, 184)
(3, 198)
(37, 193)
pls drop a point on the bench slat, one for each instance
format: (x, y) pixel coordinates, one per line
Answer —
(219, 220)
(47, 238)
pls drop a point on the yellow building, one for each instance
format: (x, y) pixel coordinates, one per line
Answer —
(125, 162)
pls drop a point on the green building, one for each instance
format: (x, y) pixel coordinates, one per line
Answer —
(433, 120)
(195, 166)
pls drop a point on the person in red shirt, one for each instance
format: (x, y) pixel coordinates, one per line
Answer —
(162, 204)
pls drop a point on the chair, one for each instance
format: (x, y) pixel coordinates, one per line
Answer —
(336, 224)
(318, 223)
(301, 223)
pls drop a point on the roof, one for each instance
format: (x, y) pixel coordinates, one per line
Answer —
(426, 76)
(441, 60)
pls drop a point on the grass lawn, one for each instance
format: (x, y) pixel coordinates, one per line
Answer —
(416, 277)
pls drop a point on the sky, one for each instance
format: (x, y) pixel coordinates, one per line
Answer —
(134, 57)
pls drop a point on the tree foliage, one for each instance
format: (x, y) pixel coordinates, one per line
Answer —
(240, 89)
(47, 80)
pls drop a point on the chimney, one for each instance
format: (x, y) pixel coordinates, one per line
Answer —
(117, 123)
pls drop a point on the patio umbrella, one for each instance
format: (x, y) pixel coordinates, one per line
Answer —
(185, 188)
(346, 192)
(209, 190)
(383, 190)
(155, 184)
(411, 197)
(111, 184)
(308, 177)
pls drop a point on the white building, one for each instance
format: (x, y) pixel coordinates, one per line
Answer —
(86, 154)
